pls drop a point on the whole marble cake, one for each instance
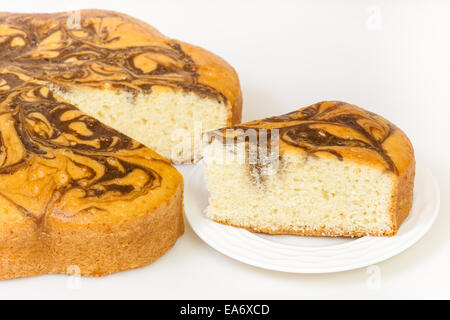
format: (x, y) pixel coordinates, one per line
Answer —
(77, 195)
(330, 169)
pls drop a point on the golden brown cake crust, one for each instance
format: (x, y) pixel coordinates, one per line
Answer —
(106, 49)
(75, 193)
(347, 133)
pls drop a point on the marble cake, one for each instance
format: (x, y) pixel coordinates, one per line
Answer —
(330, 169)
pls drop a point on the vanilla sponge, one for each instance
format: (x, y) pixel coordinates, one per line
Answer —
(172, 123)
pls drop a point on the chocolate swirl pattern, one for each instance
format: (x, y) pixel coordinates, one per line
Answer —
(332, 127)
(51, 153)
(104, 50)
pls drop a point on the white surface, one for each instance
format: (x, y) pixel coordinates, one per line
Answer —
(291, 54)
(289, 253)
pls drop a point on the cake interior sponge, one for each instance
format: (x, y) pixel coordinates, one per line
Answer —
(170, 122)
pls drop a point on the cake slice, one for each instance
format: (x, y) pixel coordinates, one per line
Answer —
(161, 92)
(77, 196)
(330, 169)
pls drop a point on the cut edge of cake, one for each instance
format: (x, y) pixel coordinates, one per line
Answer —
(171, 122)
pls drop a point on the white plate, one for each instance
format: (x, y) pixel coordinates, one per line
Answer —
(310, 254)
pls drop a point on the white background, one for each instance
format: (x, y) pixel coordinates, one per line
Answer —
(391, 57)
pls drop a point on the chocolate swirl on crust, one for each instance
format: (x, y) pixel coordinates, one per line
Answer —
(329, 127)
(99, 52)
(49, 148)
